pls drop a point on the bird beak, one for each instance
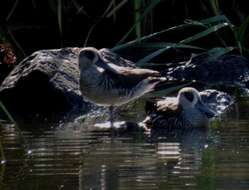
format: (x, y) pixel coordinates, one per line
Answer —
(205, 109)
(77, 50)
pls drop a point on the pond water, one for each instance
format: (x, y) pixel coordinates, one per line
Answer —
(72, 157)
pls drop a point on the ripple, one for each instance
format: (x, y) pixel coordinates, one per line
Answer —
(73, 157)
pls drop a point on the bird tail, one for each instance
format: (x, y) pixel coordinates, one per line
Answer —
(150, 105)
(152, 82)
(163, 86)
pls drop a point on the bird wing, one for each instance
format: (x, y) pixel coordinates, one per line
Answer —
(122, 72)
(168, 108)
(127, 77)
(110, 57)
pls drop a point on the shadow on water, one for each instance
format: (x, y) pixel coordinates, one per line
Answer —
(71, 156)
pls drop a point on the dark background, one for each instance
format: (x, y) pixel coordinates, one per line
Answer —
(30, 25)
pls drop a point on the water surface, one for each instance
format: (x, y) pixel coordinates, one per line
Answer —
(70, 156)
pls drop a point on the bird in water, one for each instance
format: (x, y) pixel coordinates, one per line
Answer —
(107, 79)
(184, 111)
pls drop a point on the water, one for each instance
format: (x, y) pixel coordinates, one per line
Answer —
(72, 157)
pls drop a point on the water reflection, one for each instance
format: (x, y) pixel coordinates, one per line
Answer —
(72, 157)
(145, 165)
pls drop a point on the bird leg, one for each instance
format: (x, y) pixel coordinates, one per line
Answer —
(111, 108)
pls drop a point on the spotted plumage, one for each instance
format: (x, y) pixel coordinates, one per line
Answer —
(184, 111)
(106, 79)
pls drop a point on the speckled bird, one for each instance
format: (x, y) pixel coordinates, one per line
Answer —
(107, 79)
(184, 111)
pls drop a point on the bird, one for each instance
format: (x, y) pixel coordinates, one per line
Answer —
(106, 79)
(186, 110)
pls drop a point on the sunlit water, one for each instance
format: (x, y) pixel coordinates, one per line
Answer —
(72, 157)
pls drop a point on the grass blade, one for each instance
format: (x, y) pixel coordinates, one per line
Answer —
(209, 21)
(12, 10)
(147, 37)
(215, 20)
(157, 45)
(22, 138)
(97, 22)
(147, 10)
(204, 33)
(163, 47)
(59, 14)
(149, 57)
(116, 8)
(240, 33)
(187, 24)
(216, 52)
(7, 113)
(138, 17)
(214, 6)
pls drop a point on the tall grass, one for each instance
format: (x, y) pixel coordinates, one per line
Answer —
(214, 4)
(7, 113)
(15, 125)
(241, 35)
(209, 26)
(141, 9)
(138, 18)
(59, 15)
(20, 136)
(13, 121)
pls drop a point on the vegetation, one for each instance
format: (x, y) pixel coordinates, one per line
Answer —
(181, 24)
(2, 155)
(7, 113)
(151, 28)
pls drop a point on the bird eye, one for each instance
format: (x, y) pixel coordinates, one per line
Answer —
(89, 54)
(189, 96)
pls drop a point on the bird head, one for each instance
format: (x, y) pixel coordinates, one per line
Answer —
(88, 57)
(189, 98)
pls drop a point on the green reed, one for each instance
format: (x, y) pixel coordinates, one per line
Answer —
(6, 112)
(15, 125)
(138, 19)
(208, 26)
(13, 121)
(214, 4)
